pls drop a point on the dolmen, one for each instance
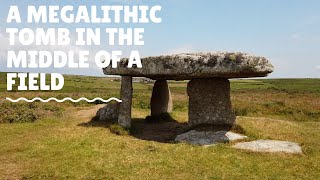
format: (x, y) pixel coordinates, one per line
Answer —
(208, 88)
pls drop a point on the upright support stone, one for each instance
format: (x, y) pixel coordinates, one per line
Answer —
(124, 118)
(209, 102)
(161, 100)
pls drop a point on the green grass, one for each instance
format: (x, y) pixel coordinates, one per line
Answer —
(58, 149)
(59, 144)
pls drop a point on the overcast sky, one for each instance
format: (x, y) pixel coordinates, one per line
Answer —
(287, 32)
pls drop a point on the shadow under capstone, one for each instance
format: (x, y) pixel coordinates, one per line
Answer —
(163, 129)
(149, 129)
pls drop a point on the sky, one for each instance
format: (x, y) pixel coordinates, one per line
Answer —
(286, 32)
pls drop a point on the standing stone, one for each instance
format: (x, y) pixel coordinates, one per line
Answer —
(209, 102)
(161, 100)
(125, 107)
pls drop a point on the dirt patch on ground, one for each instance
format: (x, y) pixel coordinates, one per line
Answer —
(88, 112)
(10, 170)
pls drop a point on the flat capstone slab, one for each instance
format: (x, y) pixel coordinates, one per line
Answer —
(271, 146)
(188, 66)
(205, 138)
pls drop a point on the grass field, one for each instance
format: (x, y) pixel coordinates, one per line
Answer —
(57, 141)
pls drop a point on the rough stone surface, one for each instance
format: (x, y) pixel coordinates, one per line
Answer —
(196, 65)
(209, 102)
(270, 146)
(161, 100)
(108, 112)
(208, 137)
(125, 107)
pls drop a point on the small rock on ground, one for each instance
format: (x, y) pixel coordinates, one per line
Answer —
(270, 146)
(208, 137)
(108, 112)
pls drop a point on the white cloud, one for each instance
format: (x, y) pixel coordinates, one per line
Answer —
(318, 67)
(305, 37)
(312, 20)
(183, 49)
(297, 36)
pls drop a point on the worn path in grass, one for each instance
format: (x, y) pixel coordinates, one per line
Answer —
(87, 113)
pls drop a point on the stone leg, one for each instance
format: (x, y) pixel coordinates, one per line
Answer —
(161, 100)
(124, 118)
(209, 102)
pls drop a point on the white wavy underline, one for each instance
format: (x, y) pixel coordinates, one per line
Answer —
(64, 99)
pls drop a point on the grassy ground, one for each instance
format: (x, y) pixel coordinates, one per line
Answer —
(61, 144)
